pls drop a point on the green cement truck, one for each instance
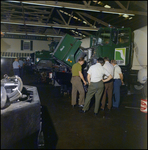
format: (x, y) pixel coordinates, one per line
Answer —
(115, 43)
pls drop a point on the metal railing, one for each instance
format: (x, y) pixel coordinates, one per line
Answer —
(14, 55)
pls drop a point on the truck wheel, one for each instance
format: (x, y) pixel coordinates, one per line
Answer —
(138, 89)
(3, 97)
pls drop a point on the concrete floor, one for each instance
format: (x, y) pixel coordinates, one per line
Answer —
(65, 127)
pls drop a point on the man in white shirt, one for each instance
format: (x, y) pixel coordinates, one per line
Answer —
(96, 85)
(108, 85)
(118, 81)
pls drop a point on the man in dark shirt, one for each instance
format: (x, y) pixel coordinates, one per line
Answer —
(77, 84)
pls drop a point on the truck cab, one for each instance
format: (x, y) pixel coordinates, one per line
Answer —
(115, 43)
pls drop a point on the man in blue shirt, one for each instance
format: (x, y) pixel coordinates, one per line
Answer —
(16, 67)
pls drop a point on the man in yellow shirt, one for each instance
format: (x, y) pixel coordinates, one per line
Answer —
(77, 84)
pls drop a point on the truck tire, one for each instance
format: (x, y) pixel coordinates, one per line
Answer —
(138, 89)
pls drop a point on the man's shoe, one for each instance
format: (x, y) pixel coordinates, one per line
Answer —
(95, 114)
(82, 111)
(102, 108)
(81, 105)
(73, 106)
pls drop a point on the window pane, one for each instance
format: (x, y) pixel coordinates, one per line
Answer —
(123, 36)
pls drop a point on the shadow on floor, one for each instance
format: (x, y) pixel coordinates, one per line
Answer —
(49, 133)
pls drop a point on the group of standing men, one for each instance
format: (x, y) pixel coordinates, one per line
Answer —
(104, 79)
(18, 67)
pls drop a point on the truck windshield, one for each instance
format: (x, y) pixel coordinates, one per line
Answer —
(123, 36)
(103, 37)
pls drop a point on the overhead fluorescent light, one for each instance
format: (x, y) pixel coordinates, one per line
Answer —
(117, 13)
(130, 18)
(85, 22)
(65, 13)
(125, 15)
(75, 17)
(61, 11)
(107, 6)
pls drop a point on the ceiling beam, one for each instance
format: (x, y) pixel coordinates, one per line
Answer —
(140, 4)
(88, 4)
(128, 5)
(48, 18)
(95, 19)
(50, 14)
(58, 20)
(49, 25)
(46, 35)
(59, 31)
(61, 16)
(120, 5)
(23, 16)
(83, 7)
(36, 10)
(70, 18)
(84, 19)
(85, 3)
(84, 32)
(55, 31)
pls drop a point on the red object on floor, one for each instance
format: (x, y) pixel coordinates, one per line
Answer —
(143, 107)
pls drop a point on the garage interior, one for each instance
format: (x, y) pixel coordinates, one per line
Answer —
(64, 127)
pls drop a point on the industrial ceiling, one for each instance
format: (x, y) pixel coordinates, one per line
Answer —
(77, 18)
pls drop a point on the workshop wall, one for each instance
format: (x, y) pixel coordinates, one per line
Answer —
(14, 45)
